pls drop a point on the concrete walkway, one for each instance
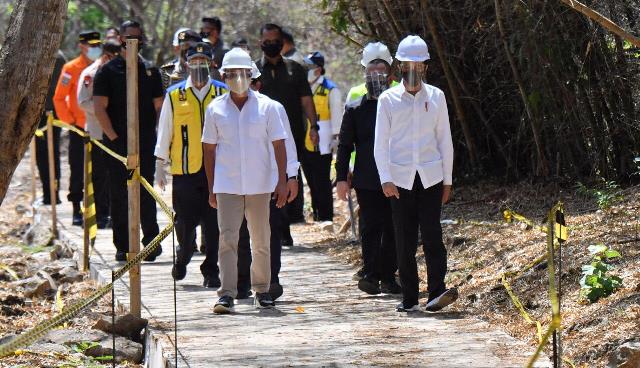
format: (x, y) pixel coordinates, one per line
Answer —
(322, 320)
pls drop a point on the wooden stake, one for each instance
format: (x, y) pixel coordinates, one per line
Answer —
(85, 213)
(133, 162)
(53, 182)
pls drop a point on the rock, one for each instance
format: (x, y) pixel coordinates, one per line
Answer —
(125, 350)
(6, 338)
(34, 287)
(54, 268)
(524, 226)
(626, 356)
(70, 337)
(128, 326)
(61, 250)
(70, 275)
(47, 347)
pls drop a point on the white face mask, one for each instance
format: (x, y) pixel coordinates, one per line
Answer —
(94, 53)
(311, 75)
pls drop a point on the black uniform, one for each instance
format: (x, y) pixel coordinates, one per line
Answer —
(376, 225)
(110, 81)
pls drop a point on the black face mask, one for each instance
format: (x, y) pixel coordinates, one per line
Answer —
(205, 34)
(140, 42)
(272, 49)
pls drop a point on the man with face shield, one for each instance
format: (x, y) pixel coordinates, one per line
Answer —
(370, 52)
(413, 151)
(65, 101)
(175, 71)
(245, 160)
(179, 145)
(376, 225)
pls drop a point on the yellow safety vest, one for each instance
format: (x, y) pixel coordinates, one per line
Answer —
(321, 101)
(188, 122)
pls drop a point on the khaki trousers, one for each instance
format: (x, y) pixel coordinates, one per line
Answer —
(232, 209)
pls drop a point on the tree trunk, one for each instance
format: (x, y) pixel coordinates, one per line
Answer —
(26, 62)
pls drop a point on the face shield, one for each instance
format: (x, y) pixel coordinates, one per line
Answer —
(199, 71)
(376, 83)
(412, 74)
(238, 80)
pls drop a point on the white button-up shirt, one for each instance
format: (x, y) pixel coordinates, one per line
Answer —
(290, 145)
(245, 163)
(413, 136)
(165, 123)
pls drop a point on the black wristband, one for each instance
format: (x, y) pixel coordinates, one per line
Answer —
(293, 177)
(316, 127)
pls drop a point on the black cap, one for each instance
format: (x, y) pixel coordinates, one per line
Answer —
(315, 58)
(112, 46)
(239, 42)
(189, 35)
(213, 20)
(200, 49)
(90, 37)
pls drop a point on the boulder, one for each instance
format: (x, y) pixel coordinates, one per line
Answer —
(61, 250)
(54, 268)
(626, 355)
(128, 326)
(70, 275)
(125, 350)
(34, 287)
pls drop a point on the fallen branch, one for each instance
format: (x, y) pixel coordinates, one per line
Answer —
(602, 20)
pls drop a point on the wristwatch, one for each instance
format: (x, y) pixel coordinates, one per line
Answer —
(295, 177)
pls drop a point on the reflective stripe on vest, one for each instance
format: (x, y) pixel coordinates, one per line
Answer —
(188, 121)
(321, 102)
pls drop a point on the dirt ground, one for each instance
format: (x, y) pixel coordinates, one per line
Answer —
(481, 246)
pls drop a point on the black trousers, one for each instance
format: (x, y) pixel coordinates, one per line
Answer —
(100, 178)
(317, 170)
(76, 167)
(377, 234)
(419, 207)
(42, 159)
(244, 253)
(120, 203)
(190, 197)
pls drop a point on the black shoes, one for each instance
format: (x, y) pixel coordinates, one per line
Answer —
(402, 308)
(121, 256)
(263, 300)
(390, 287)
(244, 294)
(369, 285)
(152, 257)
(358, 275)
(224, 305)
(275, 291)
(287, 242)
(203, 248)
(447, 297)
(103, 222)
(211, 282)
(77, 215)
(179, 272)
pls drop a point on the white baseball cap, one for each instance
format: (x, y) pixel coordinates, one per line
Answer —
(176, 41)
(375, 50)
(413, 48)
(236, 58)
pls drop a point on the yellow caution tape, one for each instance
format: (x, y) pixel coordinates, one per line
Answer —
(520, 307)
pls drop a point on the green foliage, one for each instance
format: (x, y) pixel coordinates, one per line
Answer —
(605, 194)
(338, 13)
(595, 282)
(84, 345)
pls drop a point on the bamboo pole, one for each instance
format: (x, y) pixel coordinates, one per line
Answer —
(133, 162)
(53, 182)
(85, 204)
(602, 20)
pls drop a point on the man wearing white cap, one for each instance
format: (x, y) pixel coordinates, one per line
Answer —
(243, 170)
(414, 154)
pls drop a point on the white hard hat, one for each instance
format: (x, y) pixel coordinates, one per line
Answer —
(236, 58)
(255, 72)
(373, 51)
(176, 41)
(412, 48)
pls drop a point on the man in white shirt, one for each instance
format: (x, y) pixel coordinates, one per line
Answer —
(243, 171)
(316, 160)
(99, 173)
(413, 151)
(180, 145)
